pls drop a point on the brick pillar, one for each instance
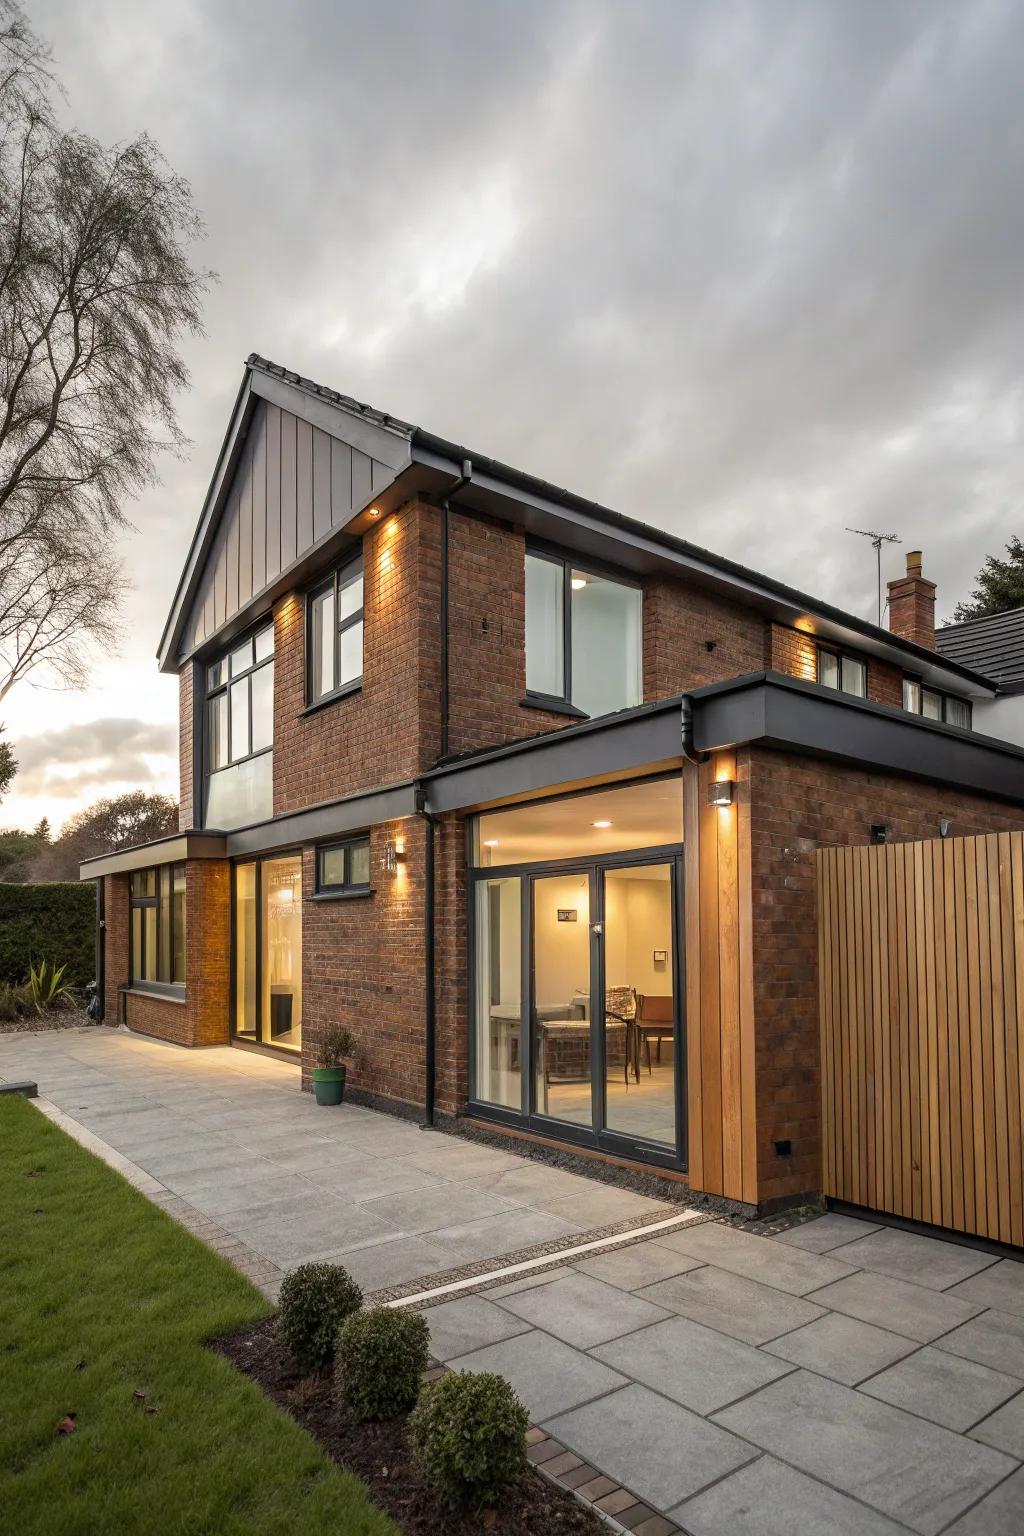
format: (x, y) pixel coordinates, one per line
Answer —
(207, 951)
(115, 942)
(912, 604)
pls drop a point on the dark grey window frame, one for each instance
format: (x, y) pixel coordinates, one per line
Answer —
(561, 703)
(224, 689)
(168, 987)
(351, 567)
(348, 890)
(943, 697)
(841, 656)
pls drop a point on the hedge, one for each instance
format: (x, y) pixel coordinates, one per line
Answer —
(55, 922)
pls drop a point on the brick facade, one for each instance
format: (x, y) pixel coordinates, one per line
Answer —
(912, 604)
(795, 653)
(798, 804)
(692, 638)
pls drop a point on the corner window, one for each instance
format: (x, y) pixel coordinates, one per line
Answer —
(157, 911)
(240, 733)
(334, 634)
(584, 637)
(847, 674)
(343, 869)
(930, 704)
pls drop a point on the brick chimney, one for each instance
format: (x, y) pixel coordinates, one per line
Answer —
(912, 604)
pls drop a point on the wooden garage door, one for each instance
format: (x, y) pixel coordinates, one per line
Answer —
(921, 976)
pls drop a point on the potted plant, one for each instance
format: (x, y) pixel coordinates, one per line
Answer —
(329, 1074)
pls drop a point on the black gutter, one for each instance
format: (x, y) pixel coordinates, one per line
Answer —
(429, 957)
(463, 480)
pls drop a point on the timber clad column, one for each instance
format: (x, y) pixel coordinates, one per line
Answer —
(912, 605)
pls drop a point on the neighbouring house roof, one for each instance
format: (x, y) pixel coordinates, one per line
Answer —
(993, 645)
(411, 459)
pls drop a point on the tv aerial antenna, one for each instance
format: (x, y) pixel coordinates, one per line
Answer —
(877, 540)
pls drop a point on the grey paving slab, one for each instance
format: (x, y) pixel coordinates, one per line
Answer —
(531, 1184)
(695, 1366)
(638, 1265)
(294, 1237)
(222, 1197)
(1005, 1428)
(902, 1466)
(767, 1498)
(995, 1339)
(731, 1303)
(660, 1451)
(368, 1179)
(548, 1377)
(909, 1256)
(508, 1232)
(439, 1206)
(842, 1348)
(746, 1253)
(529, 1281)
(583, 1311)
(449, 1157)
(1000, 1513)
(825, 1232)
(913, 1310)
(1000, 1286)
(471, 1322)
(946, 1389)
(379, 1266)
(601, 1205)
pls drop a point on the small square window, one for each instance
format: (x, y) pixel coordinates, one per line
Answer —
(344, 868)
(958, 712)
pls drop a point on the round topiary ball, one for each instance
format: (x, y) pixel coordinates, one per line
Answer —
(469, 1437)
(315, 1300)
(379, 1358)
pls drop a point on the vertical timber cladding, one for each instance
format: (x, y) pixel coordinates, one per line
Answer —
(921, 976)
(720, 1059)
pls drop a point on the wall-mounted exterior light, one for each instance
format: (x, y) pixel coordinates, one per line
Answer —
(720, 792)
(945, 826)
(394, 854)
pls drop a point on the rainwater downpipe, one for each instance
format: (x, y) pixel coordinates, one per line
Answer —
(686, 732)
(429, 955)
(452, 491)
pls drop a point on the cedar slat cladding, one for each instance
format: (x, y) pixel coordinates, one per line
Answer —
(921, 975)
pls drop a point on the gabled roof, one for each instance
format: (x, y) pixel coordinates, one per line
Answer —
(993, 645)
(421, 462)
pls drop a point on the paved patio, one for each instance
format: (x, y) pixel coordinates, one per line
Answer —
(228, 1132)
(840, 1378)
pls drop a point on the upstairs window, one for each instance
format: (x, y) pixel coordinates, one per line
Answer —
(847, 674)
(157, 904)
(584, 638)
(240, 733)
(930, 704)
(334, 634)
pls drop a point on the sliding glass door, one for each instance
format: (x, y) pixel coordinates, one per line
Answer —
(268, 952)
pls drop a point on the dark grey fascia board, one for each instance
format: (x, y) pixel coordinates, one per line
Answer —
(548, 512)
(648, 739)
(770, 710)
(227, 458)
(318, 823)
(177, 848)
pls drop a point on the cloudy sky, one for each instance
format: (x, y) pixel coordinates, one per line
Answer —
(748, 271)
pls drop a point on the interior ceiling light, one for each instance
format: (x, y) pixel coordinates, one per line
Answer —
(490, 842)
(601, 824)
(578, 583)
(375, 511)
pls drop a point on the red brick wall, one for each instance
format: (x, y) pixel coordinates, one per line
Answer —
(680, 623)
(362, 966)
(453, 1010)
(796, 654)
(115, 942)
(798, 804)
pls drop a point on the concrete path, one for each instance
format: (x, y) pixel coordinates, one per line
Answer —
(226, 1134)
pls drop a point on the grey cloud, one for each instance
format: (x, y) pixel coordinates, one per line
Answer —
(66, 762)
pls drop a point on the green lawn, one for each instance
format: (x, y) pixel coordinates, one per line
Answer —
(102, 1294)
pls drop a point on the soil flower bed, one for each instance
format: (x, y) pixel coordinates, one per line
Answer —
(381, 1456)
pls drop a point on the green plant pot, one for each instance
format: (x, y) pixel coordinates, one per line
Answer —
(328, 1084)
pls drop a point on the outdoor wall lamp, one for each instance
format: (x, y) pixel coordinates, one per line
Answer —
(945, 826)
(394, 854)
(720, 792)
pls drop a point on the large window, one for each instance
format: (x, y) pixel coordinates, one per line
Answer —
(240, 733)
(584, 637)
(933, 705)
(848, 674)
(157, 902)
(334, 634)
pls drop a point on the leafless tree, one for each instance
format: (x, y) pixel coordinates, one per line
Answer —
(96, 292)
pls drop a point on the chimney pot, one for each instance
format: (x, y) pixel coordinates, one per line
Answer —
(914, 562)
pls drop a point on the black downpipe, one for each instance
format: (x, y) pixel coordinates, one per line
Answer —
(453, 490)
(429, 957)
(686, 732)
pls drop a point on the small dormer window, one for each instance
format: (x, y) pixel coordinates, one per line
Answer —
(847, 674)
(930, 704)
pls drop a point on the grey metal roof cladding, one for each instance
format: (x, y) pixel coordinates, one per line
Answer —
(499, 487)
(993, 645)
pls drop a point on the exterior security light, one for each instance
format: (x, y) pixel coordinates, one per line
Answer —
(720, 792)
(945, 826)
(394, 854)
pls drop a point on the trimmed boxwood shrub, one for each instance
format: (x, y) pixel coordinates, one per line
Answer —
(379, 1358)
(54, 922)
(315, 1300)
(469, 1437)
